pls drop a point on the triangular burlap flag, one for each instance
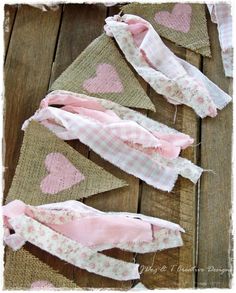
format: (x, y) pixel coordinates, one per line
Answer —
(182, 23)
(49, 170)
(24, 271)
(102, 72)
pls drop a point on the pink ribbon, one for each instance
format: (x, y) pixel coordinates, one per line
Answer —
(89, 227)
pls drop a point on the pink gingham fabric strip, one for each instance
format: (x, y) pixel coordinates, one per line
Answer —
(36, 224)
(134, 160)
(132, 133)
(221, 15)
(178, 81)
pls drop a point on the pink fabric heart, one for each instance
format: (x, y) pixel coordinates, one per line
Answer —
(62, 174)
(42, 285)
(179, 19)
(106, 80)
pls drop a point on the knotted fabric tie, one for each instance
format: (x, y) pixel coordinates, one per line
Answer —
(75, 233)
(136, 144)
(170, 76)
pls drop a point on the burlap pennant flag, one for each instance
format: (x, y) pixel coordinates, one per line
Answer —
(24, 271)
(182, 23)
(49, 170)
(101, 71)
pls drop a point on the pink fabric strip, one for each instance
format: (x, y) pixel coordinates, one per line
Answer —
(78, 208)
(128, 131)
(93, 229)
(90, 227)
(180, 84)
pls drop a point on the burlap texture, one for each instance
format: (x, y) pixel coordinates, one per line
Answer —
(37, 144)
(196, 39)
(22, 269)
(103, 50)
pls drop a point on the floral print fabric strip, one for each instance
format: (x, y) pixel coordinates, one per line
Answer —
(71, 251)
(59, 229)
(179, 82)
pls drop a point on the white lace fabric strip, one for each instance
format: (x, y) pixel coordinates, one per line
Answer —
(176, 79)
(152, 168)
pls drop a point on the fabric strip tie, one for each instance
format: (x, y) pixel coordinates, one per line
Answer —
(57, 229)
(176, 79)
(131, 149)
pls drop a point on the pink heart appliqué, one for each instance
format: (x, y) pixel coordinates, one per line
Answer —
(42, 285)
(62, 174)
(179, 19)
(106, 80)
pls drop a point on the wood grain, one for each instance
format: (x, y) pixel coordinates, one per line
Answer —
(9, 18)
(215, 200)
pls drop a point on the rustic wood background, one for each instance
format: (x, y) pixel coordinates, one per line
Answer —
(38, 47)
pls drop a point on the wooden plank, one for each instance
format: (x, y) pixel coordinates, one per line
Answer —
(81, 24)
(215, 200)
(161, 269)
(27, 72)
(189, 194)
(9, 18)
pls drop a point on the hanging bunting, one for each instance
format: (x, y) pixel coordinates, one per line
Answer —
(49, 170)
(100, 70)
(184, 24)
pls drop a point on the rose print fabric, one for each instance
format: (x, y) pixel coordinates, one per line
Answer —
(65, 230)
(175, 79)
(138, 145)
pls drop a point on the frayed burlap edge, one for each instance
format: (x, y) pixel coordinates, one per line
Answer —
(104, 50)
(22, 269)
